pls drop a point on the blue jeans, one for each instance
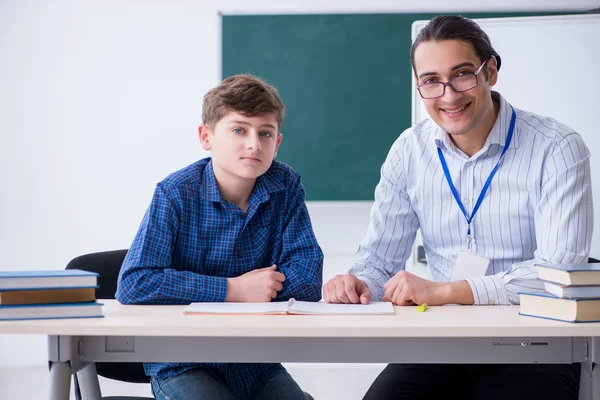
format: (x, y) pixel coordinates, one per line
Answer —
(201, 384)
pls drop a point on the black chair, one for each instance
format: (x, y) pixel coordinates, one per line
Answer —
(593, 260)
(108, 264)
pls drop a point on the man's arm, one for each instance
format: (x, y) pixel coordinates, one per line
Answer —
(392, 228)
(564, 221)
(302, 258)
(146, 276)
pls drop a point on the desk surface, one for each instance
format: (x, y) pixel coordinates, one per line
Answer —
(445, 321)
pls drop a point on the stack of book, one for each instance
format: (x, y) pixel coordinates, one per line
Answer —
(572, 293)
(48, 294)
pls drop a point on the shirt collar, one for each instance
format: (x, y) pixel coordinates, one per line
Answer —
(498, 133)
(265, 185)
(210, 191)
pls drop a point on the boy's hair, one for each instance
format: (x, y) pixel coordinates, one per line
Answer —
(245, 94)
(454, 27)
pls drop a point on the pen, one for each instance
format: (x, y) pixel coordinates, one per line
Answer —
(422, 307)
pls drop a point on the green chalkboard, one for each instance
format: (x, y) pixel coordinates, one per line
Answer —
(346, 82)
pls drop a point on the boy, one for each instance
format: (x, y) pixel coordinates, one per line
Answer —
(233, 227)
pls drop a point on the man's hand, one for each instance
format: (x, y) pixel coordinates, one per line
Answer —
(259, 285)
(406, 289)
(347, 289)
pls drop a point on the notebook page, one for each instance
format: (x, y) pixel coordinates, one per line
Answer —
(376, 308)
(236, 308)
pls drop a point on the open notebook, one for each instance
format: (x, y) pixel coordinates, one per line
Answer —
(290, 307)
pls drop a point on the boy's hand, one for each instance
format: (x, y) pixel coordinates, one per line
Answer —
(346, 288)
(258, 286)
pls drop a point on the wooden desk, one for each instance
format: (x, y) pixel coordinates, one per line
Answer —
(449, 334)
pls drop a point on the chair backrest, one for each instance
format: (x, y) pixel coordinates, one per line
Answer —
(108, 264)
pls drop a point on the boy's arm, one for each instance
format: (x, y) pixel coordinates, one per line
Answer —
(301, 257)
(146, 276)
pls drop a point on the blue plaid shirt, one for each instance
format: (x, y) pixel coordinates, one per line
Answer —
(191, 240)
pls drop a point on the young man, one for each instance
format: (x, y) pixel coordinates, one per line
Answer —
(493, 190)
(233, 227)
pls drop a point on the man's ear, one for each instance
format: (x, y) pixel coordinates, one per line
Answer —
(204, 134)
(492, 69)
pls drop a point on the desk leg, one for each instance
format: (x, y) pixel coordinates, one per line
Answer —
(88, 382)
(585, 382)
(60, 381)
(595, 382)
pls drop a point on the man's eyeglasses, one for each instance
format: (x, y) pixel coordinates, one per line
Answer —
(461, 83)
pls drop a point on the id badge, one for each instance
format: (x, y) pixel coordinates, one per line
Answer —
(469, 265)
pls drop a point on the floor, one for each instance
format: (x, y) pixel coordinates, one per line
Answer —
(324, 382)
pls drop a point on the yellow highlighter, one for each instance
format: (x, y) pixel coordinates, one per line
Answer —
(422, 307)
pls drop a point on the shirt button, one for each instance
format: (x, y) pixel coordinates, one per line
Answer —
(491, 302)
(467, 202)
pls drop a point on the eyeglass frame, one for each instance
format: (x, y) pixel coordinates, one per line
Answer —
(449, 83)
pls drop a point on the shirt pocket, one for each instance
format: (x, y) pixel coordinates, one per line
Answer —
(262, 236)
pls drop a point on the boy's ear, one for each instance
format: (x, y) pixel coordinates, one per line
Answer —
(204, 135)
(279, 138)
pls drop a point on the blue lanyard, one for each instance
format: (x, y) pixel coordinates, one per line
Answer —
(487, 182)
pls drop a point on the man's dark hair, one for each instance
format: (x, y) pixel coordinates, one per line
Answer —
(454, 27)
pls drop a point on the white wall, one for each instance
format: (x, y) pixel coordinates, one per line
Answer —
(100, 100)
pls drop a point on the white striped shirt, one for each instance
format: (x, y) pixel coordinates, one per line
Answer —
(538, 206)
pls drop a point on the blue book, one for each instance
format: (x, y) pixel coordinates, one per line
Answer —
(51, 311)
(570, 274)
(544, 305)
(576, 292)
(49, 279)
